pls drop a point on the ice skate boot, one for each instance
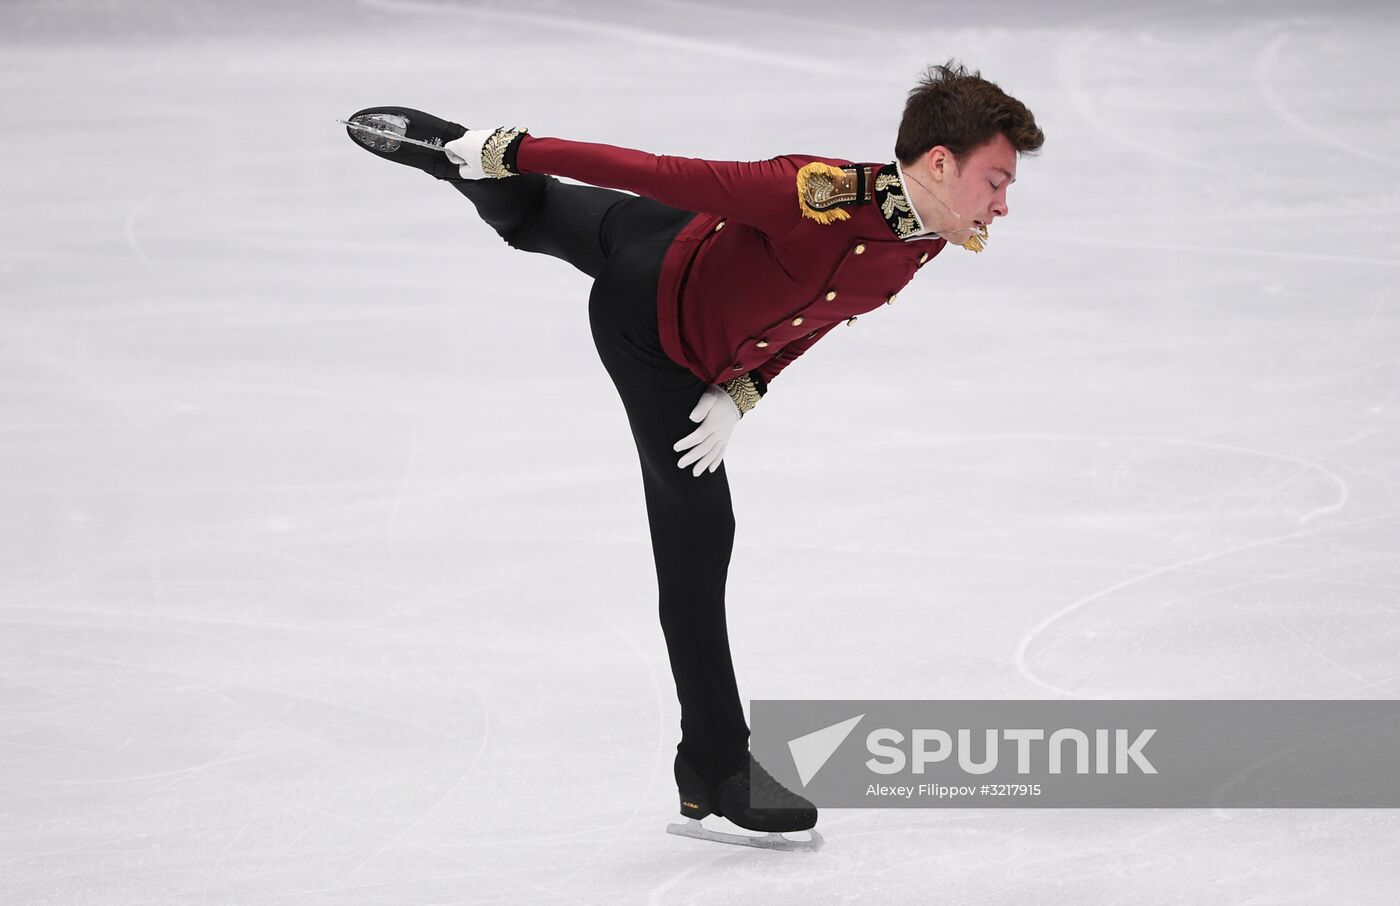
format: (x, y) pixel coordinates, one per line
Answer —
(406, 136)
(733, 797)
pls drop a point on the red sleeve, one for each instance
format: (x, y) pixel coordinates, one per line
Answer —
(789, 354)
(762, 194)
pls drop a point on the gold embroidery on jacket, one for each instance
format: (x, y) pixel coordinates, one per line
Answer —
(894, 204)
(822, 189)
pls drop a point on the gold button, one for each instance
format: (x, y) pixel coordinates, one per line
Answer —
(860, 249)
(831, 295)
(737, 368)
(797, 321)
(762, 344)
(719, 226)
(890, 300)
(851, 320)
(924, 258)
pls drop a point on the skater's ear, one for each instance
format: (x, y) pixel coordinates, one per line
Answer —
(941, 162)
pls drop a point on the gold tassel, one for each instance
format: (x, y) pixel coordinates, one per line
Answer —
(816, 183)
(977, 241)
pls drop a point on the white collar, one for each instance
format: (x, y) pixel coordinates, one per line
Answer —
(923, 231)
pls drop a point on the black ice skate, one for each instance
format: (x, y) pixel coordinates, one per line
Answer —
(733, 798)
(406, 136)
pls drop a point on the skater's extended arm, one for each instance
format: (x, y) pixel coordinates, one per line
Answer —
(761, 194)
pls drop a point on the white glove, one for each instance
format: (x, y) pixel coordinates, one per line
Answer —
(466, 152)
(717, 416)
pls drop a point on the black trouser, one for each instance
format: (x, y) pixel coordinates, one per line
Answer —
(619, 240)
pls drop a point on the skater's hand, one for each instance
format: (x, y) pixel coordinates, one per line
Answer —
(466, 152)
(717, 416)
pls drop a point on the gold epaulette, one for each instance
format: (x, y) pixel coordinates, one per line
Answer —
(824, 192)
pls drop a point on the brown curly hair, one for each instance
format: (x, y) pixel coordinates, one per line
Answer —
(962, 111)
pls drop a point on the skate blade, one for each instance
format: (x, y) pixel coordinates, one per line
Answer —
(385, 132)
(693, 828)
(377, 131)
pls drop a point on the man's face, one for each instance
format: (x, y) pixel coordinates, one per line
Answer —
(974, 194)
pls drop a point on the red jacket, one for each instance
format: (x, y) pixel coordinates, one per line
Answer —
(751, 283)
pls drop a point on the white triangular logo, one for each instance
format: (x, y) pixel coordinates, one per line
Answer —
(811, 752)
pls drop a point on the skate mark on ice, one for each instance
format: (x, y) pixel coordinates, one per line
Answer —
(1021, 658)
(1343, 489)
(657, 895)
(1288, 630)
(1367, 686)
(223, 855)
(236, 535)
(38, 347)
(645, 37)
(197, 681)
(401, 491)
(442, 799)
(845, 31)
(174, 775)
(1265, 80)
(642, 802)
(488, 867)
(1310, 740)
(1095, 242)
(1283, 625)
(1070, 65)
(368, 829)
(129, 231)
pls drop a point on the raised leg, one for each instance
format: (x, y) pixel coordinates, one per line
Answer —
(620, 241)
(536, 213)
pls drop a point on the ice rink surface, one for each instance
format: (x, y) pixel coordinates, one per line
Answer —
(325, 576)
